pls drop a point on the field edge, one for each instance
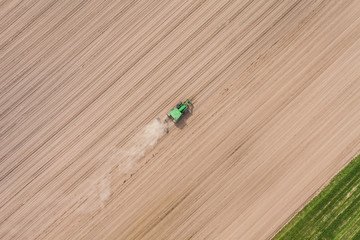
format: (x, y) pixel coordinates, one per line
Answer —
(336, 199)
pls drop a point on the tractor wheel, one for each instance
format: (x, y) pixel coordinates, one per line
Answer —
(179, 105)
(186, 111)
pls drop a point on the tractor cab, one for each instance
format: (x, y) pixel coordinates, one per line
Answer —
(180, 110)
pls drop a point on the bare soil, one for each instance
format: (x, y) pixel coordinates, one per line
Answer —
(276, 92)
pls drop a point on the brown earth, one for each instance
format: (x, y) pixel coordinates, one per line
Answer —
(276, 91)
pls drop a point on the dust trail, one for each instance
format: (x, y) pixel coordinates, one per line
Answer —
(119, 162)
(104, 189)
(142, 142)
(122, 160)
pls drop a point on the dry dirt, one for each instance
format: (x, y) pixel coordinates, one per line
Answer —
(276, 92)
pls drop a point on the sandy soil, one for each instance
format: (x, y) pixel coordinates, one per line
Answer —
(276, 91)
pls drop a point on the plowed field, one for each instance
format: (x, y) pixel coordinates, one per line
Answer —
(276, 92)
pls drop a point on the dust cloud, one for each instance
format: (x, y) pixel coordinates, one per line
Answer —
(126, 159)
(142, 142)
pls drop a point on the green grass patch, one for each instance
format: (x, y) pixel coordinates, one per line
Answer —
(334, 213)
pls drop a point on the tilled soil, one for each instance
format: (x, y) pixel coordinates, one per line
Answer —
(276, 92)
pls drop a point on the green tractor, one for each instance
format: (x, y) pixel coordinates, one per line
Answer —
(181, 109)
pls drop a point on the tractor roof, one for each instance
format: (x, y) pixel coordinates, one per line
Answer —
(175, 114)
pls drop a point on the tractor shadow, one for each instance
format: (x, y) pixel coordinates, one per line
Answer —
(182, 121)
